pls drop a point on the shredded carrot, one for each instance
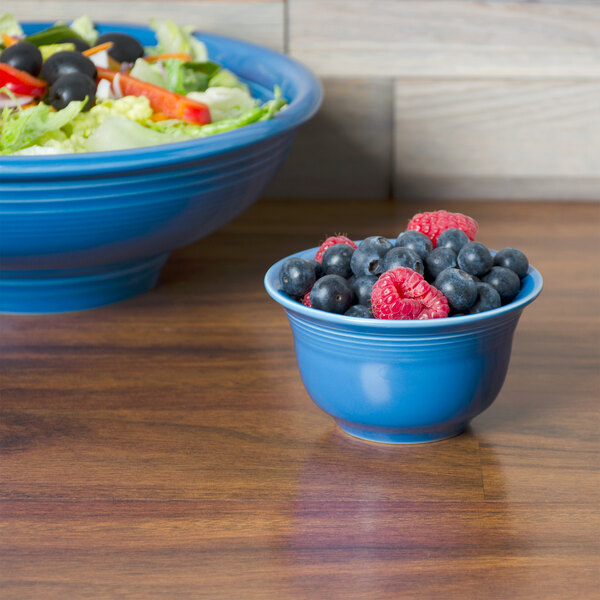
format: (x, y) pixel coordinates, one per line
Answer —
(98, 48)
(28, 105)
(180, 55)
(8, 40)
(159, 116)
(113, 64)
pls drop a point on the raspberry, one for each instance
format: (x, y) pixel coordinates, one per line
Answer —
(306, 300)
(404, 294)
(332, 241)
(432, 224)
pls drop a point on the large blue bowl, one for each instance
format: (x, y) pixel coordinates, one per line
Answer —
(79, 231)
(402, 381)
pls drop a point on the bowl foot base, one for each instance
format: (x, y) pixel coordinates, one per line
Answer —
(392, 436)
(66, 290)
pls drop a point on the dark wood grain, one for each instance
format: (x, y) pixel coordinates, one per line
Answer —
(164, 447)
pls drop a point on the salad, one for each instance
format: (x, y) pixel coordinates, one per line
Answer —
(68, 89)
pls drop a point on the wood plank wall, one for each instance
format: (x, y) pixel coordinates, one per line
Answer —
(429, 99)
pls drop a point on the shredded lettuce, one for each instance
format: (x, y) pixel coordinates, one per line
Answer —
(224, 102)
(84, 27)
(38, 151)
(67, 130)
(225, 78)
(247, 117)
(49, 49)
(144, 71)
(9, 25)
(120, 133)
(188, 130)
(22, 128)
(272, 107)
(134, 108)
(174, 39)
(183, 77)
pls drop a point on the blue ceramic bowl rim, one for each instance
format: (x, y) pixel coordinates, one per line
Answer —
(301, 108)
(271, 283)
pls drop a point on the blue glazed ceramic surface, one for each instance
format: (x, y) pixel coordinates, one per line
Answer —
(402, 381)
(83, 230)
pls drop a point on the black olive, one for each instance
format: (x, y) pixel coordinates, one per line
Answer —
(73, 86)
(125, 48)
(66, 62)
(80, 45)
(24, 56)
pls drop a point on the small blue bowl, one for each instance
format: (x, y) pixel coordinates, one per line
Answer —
(84, 230)
(402, 382)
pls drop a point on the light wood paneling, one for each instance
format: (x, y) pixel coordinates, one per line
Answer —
(261, 21)
(345, 151)
(493, 100)
(408, 38)
(497, 139)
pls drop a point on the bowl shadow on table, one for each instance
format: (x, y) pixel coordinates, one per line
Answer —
(186, 272)
(375, 516)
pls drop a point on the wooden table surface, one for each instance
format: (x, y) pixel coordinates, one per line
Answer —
(164, 447)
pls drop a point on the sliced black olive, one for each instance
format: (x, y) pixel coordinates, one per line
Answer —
(24, 56)
(125, 48)
(66, 62)
(73, 86)
(80, 45)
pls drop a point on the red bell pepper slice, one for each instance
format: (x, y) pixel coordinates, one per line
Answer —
(20, 82)
(172, 105)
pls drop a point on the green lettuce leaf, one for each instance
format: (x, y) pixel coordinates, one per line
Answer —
(9, 25)
(272, 107)
(144, 71)
(183, 77)
(225, 78)
(247, 117)
(172, 38)
(224, 102)
(22, 128)
(120, 133)
(85, 28)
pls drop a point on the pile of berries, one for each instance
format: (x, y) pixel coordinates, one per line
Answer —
(435, 269)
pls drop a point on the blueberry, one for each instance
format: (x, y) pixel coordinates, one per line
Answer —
(318, 267)
(358, 310)
(438, 260)
(363, 286)
(415, 240)
(475, 258)
(332, 294)
(487, 298)
(512, 259)
(460, 290)
(367, 258)
(452, 238)
(296, 276)
(472, 277)
(403, 257)
(336, 260)
(506, 282)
